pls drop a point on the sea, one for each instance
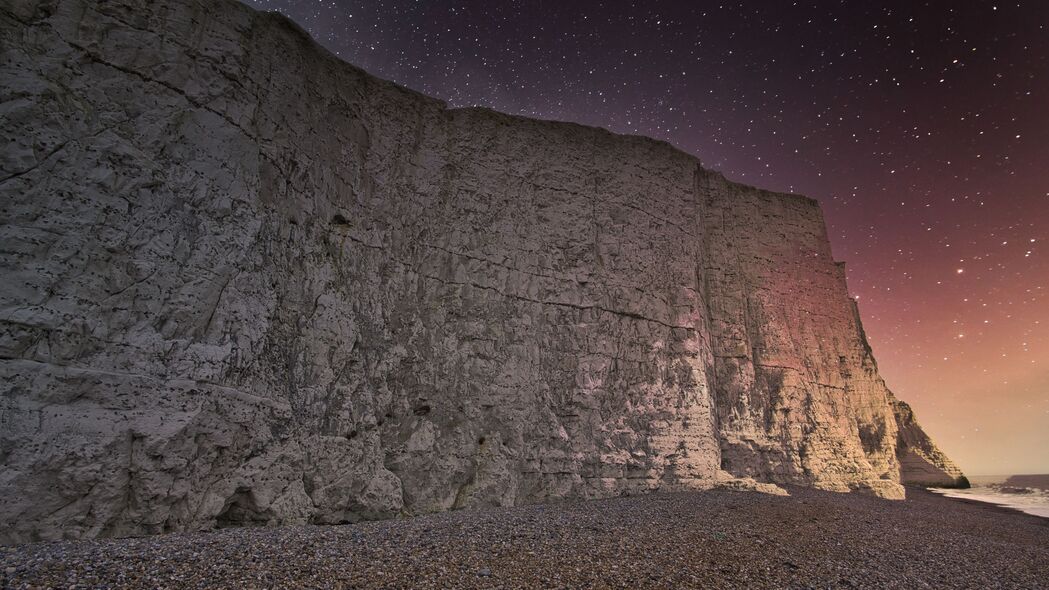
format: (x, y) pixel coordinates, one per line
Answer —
(1027, 493)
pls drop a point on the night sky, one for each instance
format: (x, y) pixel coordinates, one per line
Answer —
(922, 127)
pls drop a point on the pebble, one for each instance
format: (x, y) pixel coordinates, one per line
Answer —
(715, 539)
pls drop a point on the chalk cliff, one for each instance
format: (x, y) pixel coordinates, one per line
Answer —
(245, 282)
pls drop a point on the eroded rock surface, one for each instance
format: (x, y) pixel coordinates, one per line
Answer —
(921, 463)
(247, 283)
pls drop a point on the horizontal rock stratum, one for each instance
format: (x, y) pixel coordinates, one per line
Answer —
(245, 282)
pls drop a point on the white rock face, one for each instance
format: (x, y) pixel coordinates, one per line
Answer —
(247, 283)
(921, 463)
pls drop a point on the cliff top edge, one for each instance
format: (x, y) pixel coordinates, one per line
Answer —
(282, 20)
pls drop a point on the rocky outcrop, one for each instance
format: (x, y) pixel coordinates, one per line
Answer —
(248, 283)
(1037, 482)
(921, 463)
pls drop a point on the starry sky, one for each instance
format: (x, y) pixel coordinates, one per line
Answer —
(922, 128)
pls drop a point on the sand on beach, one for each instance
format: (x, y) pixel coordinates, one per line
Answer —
(716, 539)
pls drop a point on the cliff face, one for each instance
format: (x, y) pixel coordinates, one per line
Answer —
(921, 463)
(247, 283)
(797, 392)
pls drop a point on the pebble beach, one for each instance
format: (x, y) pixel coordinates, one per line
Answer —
(715, 539)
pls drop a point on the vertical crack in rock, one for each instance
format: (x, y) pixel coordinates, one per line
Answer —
(299, 293)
